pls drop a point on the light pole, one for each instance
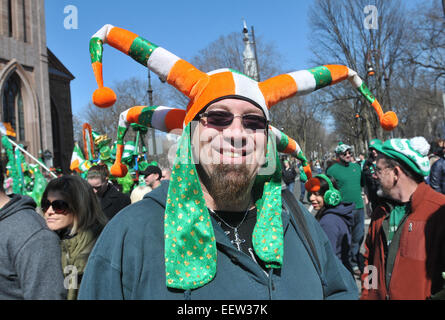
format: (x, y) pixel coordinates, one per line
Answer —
(256, 56)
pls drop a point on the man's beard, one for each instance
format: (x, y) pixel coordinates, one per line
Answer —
(228, 184)
(382, 194)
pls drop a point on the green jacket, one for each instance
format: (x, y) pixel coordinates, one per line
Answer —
(75, 253)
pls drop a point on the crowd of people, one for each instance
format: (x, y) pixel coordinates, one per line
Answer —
(223, 221)
(399, 186)
(51, 246)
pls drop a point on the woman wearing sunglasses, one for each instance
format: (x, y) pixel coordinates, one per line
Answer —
(334, 216)
(72, 210)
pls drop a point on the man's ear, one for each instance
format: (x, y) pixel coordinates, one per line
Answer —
(397, 173)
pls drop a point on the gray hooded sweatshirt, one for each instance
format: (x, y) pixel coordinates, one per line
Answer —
(30, 258)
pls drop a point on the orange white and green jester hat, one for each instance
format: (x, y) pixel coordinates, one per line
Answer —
(190, 246)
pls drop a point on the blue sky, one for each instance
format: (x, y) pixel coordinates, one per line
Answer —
(182, 27)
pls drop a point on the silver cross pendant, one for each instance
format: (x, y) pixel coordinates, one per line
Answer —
(238, 241)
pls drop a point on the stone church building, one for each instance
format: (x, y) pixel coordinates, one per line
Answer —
(35, 95)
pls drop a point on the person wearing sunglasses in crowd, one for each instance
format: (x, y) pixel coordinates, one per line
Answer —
(149, 179)
(152, 176)
(350, 181)
(72, 210)
(220, 228)
(334, 215)
(111, 199)
(230, 142)
(30, 266)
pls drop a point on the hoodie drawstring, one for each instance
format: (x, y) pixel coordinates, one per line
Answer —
(271, 285)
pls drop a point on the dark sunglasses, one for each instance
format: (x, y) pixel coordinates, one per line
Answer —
(225, 118)
(59, 206)
(346, 152)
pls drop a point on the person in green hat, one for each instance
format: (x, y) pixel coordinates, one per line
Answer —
(350, 182)
(405, 244)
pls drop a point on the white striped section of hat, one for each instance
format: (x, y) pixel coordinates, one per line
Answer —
(219, 71)
(305, 81)
(247, 87)
(128, 149)
(354, 79)
(276, 132)
(161, 62)
(123, 119)
(158, 118)
(103, 32)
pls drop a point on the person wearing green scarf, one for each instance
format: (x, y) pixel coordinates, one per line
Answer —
(220, 227)
(218, 224)
(405, 244)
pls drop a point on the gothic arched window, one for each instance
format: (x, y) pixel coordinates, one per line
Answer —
(13, 106)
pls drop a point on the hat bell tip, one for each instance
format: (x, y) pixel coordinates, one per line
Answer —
(104, 97)
(119, 170)
(389, 121)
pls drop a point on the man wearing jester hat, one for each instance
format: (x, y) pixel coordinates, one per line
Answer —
(220, 227)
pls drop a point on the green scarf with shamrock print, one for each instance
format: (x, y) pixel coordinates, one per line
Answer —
(190, 245)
